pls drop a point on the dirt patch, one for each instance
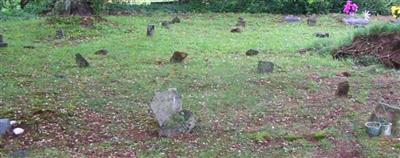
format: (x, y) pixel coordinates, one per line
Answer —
(384, 46)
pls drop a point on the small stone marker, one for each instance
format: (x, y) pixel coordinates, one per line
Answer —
(60, 34)
(292, 19)
(80, 61)
(176, 20)
(241, 22)
(343, 89)
(4, 126)
(356, 21)
(252, 52)
(29, 47)
(150, 30)
(265, 67)
(101, 52)
(236, 30)
(178, 57)
(312, 20)
(322, 34)
(166, 24)
(171, 118)
(2, 43)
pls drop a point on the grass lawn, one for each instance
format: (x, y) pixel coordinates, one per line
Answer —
(101, 111)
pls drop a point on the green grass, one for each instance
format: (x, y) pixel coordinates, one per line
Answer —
(235, 105)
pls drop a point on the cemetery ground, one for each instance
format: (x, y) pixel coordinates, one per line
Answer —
(102, 110)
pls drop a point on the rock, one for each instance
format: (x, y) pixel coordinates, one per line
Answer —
(29, 47)
(312, 20)
(178, 57)
(60, 34)
(356, 21)
(322, 34)
(181, 122)
(236, 30)
(252, 52)
(12, 123)
(343, 89)
(166, 104)
(265, 67)
(241, 22)
(176, 20)
(166, 24)
(18, 131)
(4, 126)
(80, 61)
(2, 43)
(101, 52)
(292, 19)
(150, 30)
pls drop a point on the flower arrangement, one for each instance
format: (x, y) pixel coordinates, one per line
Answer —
(350, 8)
(396, 11)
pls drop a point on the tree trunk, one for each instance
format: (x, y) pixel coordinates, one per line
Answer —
(76, 7)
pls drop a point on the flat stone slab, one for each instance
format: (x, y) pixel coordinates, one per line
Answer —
(4, 126)
(292, 19)
(166, 104)
(356, 21)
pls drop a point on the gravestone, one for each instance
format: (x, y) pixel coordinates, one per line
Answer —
(150, 30)
(101, 52)
(81, 61)
(265, 67)
(166, 24)
(322, 34)
(178, 57)
(4, 126)
(292, 19)
(241, 22)
(312, 20)
(356, 21)
(166, 104)
(176, 20)
(2, 43)
(343, 89)
(60, 34)
(252, 52)
(29, 47)
(172, 119)
(236, 30)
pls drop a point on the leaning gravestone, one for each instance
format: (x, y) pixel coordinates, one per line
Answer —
(265, 67)
(355, 21)
(150, 30)
(312, 20)
(4, 126)
(81, 61)
(292, 19)
(60, 34)
(343, 89)
(2, 43)
(172, 119)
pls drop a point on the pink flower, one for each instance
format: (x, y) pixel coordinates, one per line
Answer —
(350, 8)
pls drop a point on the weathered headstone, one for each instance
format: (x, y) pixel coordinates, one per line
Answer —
(171, 118)
(60, 34)
(252, 52)
(322, 34)
(265, 67)
(178, 57)
(81, 61)
(4, 126)
(166, 24)
(312, 20)
(2, 43)
(343, 89)
(166, 104)
(236, 30)
(241, 22)
(176, 20)
(150, 30)
(101, 52)
(292, 19)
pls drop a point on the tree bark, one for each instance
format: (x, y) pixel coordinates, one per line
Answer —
(77, 7)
